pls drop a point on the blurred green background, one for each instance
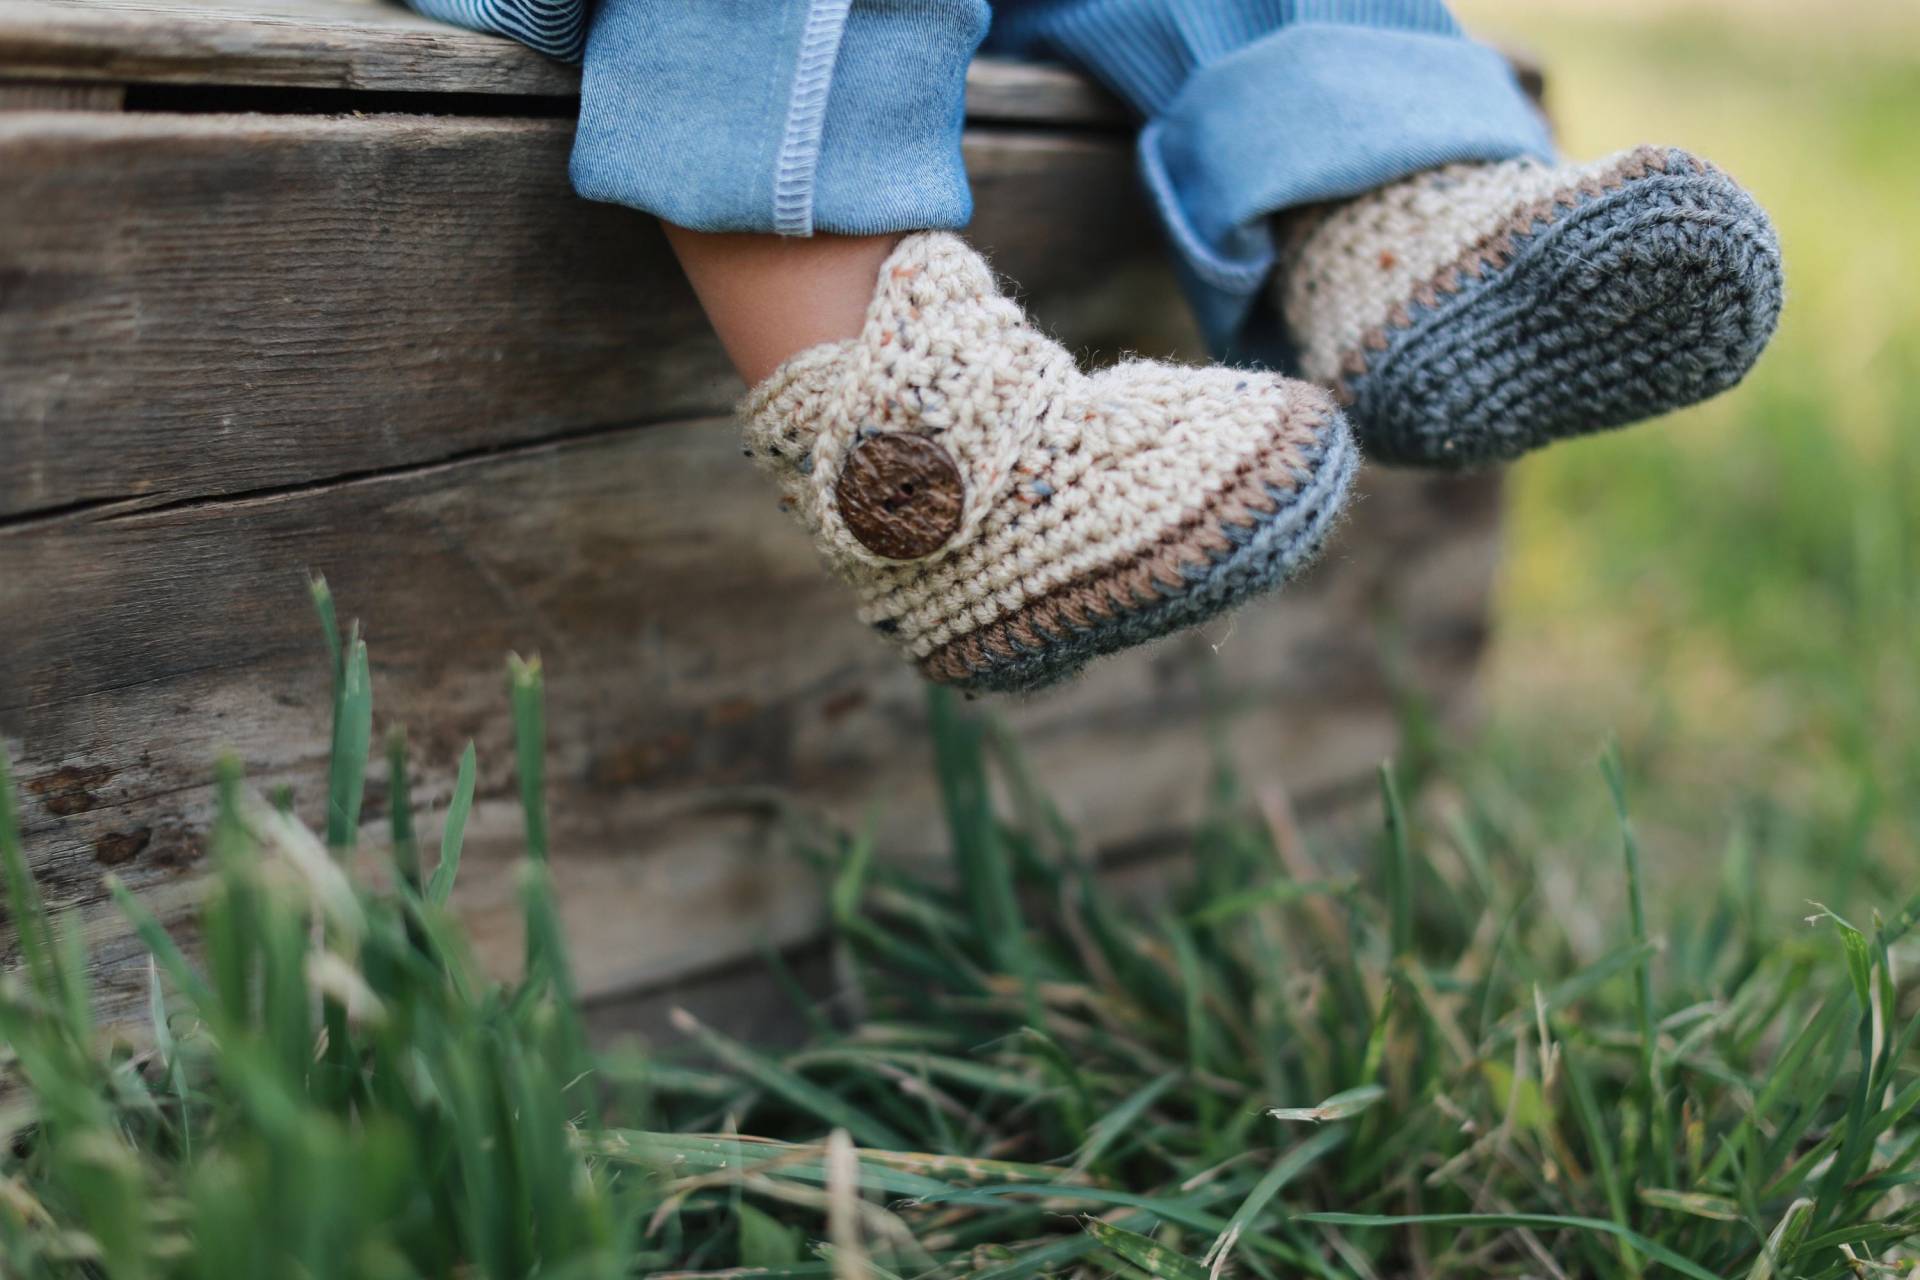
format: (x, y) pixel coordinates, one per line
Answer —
(1735, 590)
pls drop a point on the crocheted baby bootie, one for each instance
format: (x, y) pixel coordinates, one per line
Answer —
(1005, 517)
(1473, 312)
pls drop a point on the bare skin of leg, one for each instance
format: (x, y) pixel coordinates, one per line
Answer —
(771, 296)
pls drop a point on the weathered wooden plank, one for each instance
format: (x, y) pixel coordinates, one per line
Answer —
(999, 89)
(702, 671)
(201, 305)
(398, 350)
(314, 44)
(372, 45)
(53, 95)
(219, 304)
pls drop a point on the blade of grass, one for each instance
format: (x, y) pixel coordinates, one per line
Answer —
(1399, 865)
(1341, 1106)
(1780, 1243)
(322, 596)
(796, 1090)
(1491, 1221)
(352, 738)
(1148, 1255)
(161, 948)
(528, 688)
(1652, 1106)
(1593, 1127)
(984, 868)
(454, 833)
(406, 855)
(1120, 1121)
(1272, 1182)
(32, 926)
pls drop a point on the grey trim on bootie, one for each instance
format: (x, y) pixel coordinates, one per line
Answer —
(1598, 297)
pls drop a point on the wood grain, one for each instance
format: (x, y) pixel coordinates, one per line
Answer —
(315, 44)
(705, 676)
(375, 46)
(208, 305)
(53, 95)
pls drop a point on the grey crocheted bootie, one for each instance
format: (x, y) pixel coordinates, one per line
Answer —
(1005, 517)
(1470, 313)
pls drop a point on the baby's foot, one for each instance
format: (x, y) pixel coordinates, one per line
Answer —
(1470, 313)
(1006, 517)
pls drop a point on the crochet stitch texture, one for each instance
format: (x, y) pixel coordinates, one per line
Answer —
(1094, 511)
(1470, 313)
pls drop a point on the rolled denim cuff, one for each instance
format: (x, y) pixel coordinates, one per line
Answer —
(1315, 112)
(836, 116)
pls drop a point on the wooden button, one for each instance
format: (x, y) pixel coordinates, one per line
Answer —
(900, 495)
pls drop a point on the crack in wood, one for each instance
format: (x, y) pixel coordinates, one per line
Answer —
(134, 510)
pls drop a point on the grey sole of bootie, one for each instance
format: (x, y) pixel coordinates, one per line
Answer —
(1648, 286)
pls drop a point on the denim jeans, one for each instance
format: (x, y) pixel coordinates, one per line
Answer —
(797, 116)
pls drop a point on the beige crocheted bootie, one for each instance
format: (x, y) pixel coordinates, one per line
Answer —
(1005, 517)
(1469, 313)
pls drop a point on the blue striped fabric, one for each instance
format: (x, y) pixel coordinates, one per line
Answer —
(557, 28)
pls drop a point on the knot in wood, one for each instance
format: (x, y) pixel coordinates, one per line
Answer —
(901, 495)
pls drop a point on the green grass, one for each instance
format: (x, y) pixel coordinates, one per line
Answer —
(331, 1090)
(1735, 590)
(1266, 1067)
